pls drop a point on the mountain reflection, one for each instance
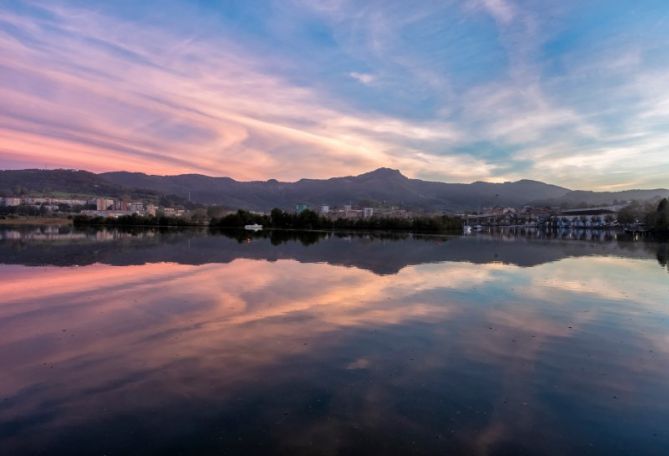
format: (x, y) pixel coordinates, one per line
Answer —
(382, 254)
(200, 345)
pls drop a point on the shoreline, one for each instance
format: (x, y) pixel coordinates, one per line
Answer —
(65, 221)
(270, 229)
(36, 221)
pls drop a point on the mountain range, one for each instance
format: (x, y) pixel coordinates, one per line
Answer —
(383, 186)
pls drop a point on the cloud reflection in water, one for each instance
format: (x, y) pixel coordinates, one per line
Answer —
(307, 356)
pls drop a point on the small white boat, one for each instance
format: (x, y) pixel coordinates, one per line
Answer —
(254, 227)
(467, 229)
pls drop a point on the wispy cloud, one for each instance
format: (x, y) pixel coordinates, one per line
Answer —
(501, 10)
(461, 92)
(364, 78)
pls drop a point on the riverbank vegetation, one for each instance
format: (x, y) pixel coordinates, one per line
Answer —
(310, 220)
(279, 219)
(654, 216)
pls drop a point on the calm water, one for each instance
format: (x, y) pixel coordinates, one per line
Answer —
(192, 343)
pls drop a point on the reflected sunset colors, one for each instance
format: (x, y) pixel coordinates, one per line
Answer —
(289, 355)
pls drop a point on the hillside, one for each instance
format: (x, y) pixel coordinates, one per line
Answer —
(380, 187)
(80, 183)
(580, 197)
(74, 183)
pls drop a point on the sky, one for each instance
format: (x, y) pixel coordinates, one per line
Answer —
(574, 93)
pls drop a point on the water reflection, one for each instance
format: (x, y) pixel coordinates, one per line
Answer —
(379, 253)
(205, 344)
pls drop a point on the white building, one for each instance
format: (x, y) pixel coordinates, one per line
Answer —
(325, 209)
(55, 201)
(12, 201)
(136, 207)
(172, 212)
(584, 218)
(367, 212)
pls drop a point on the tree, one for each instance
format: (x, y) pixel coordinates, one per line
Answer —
(199, 216)
(635, 212)
(216, 211)
(280, 219)
(662, 215)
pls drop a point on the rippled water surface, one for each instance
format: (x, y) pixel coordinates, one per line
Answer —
(197, 343)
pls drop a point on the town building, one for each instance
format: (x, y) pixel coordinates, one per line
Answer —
(172, 212)
(136, 207)
(585, 218)
(121, 206)
(54, 201)
(103, 204)
(12, 201)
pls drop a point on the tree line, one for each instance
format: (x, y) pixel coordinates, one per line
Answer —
(655, 216)
(279, 219)
(310, 220)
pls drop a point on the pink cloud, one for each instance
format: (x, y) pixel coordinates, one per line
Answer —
(101, 94)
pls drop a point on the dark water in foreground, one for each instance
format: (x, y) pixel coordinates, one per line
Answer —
(190, 343)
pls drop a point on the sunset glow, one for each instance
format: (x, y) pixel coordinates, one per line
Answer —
(564, 92)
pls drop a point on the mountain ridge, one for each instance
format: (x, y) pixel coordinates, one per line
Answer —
(383, 186)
